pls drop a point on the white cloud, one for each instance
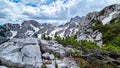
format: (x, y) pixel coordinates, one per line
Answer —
(85, 6)
(90, 0)
(58, 11)
(31, 1)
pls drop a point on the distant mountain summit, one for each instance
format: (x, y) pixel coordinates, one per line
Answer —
(76, 26)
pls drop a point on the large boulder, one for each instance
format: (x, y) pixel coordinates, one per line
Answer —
(53, 47)
(23, 53)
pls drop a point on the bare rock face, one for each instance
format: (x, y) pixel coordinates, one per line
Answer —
(56, 54)
(53, 47)
(23, 53)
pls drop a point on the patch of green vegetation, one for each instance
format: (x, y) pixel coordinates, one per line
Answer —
(111, 42)
(114, 45)
(110, 47)
(86, 45)
(56, 65)
(46, 37)
(82, 63)
(116, 41)
(110, 35)
(57, 55)
(43, 66)
(67, 41)
(102, 65)
(109, 31)
(89, 45)
(74, 54)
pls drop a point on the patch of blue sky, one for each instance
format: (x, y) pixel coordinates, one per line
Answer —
(32, 4)
(65, 1)
(49, 2)
(16, 1)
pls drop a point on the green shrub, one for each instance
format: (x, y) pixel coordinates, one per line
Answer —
(74, 54)
(88, 45)
(67, 41)
(110, 35)
(57, 55)
(82, 63)
(116, 41)
(56, 65)
(43, 66)
(109, 31)
(102, 65)
(113, 45)
(46, 37)
(75, 43)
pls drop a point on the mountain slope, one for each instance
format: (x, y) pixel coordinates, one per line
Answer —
(76, 26)
(71, 45)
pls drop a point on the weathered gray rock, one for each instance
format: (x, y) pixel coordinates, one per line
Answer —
(51, 56)
(21, 53)
(3, 67)
(62, 65)
(45, 55)
(48, 56)
(53, 48)
(50, 66)
(44, 42)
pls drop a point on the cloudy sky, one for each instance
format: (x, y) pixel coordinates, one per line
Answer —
(48, 11)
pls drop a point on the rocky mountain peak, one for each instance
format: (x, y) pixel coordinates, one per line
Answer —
(32, 22)
(76, 19)
(105, 15)
(109, 9)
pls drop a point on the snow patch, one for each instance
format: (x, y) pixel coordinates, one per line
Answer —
(14, 33)
(39, 36)
(108, 19)
(76, 30)
(29, 32)
(52, 34)
(62, 34)
(35, 28)
(71, 30)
